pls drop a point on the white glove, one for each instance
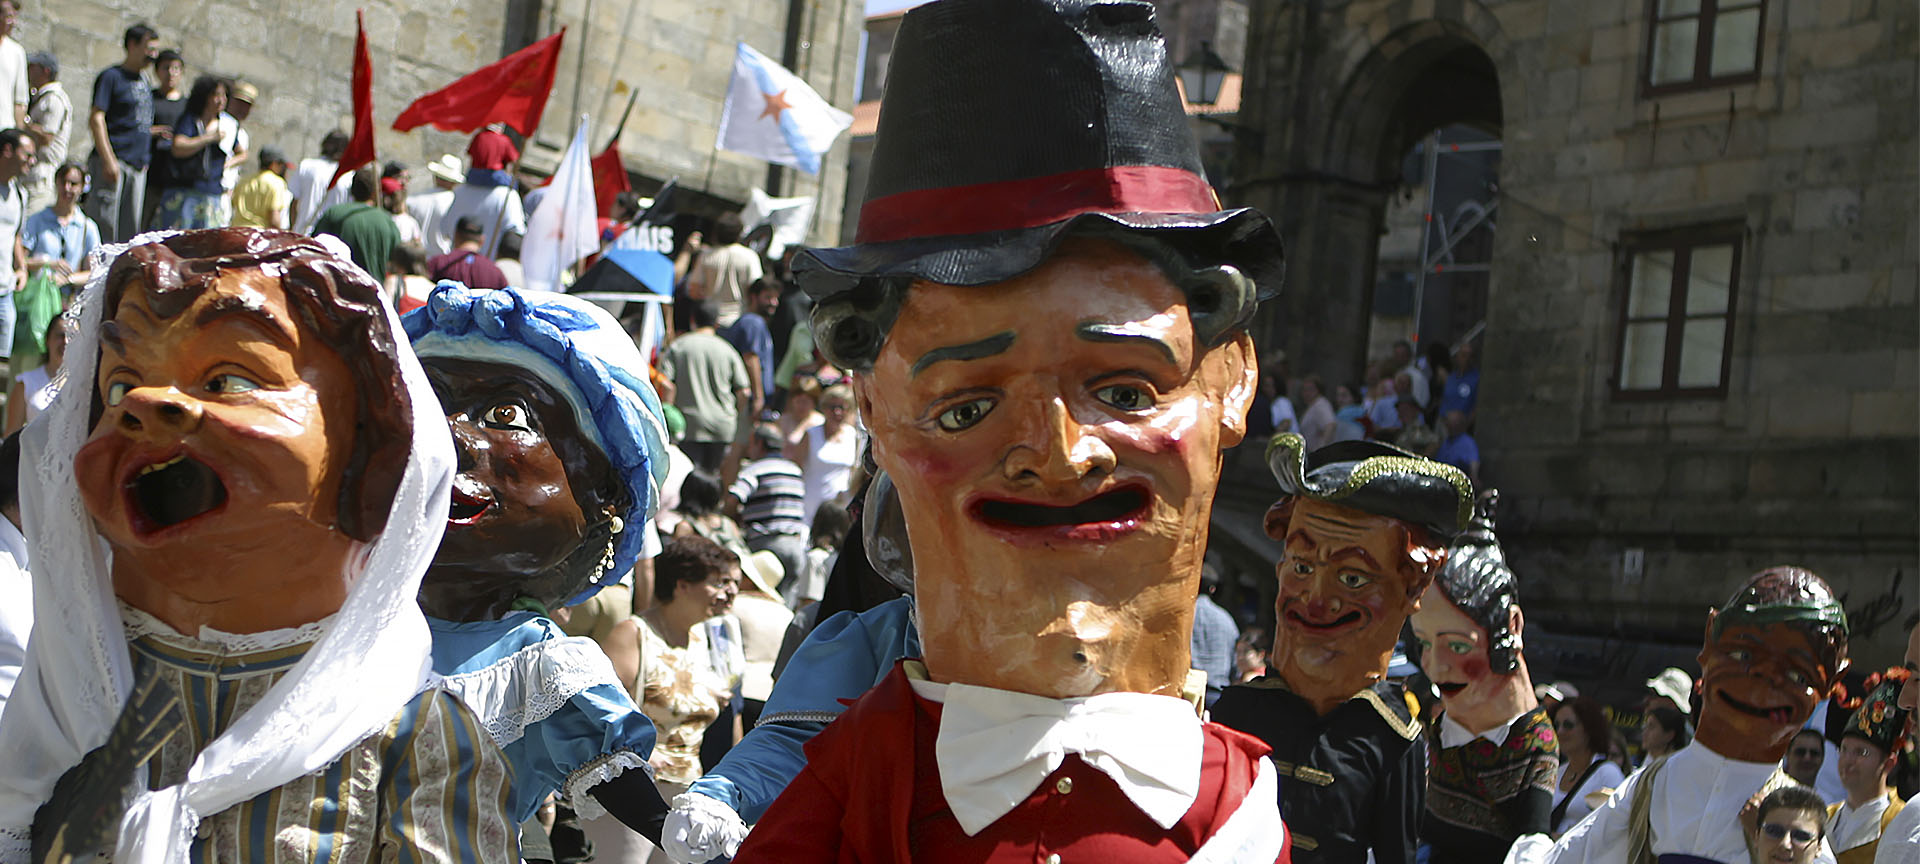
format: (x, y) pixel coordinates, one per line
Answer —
(700, 829)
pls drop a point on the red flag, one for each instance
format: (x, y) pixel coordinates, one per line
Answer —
(360, 147)
(609, 178)
(512, 91)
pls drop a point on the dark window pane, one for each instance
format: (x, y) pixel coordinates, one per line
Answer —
(1736, 43)
(1643, 356)
(1702, 341)
(1648, 296)
(1674, 44)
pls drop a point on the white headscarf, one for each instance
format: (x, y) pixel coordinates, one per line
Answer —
(371, 662)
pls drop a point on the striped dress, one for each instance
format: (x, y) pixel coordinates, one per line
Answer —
(430, 787)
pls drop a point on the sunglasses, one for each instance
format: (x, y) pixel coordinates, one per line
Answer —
(1801, 836)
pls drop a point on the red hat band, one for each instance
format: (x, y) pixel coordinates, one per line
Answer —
(1008, 205)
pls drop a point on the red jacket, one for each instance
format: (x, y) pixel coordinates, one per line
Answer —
(871, 793)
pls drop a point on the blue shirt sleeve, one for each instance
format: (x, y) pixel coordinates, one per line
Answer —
(840, 660)
(599, 721)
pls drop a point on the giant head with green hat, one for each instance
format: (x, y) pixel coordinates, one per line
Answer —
(1773, 651)
(1365, 527)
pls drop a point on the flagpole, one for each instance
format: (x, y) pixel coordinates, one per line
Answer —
(632, 95)
(707, 183)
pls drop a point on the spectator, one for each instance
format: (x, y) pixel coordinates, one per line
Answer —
(830, 526)
(1662, 732)
(366, 229)
(407, 281)
(1277, 409)
(1584, 733)
(1250, 654)
(16, 154)
(763, 624)
(121, 123)
(465, 264)
(1414, 435)
(393, 197)
(169, 101)
(769, 496)
(50, 122)
(430, 209)
(61, 237)
(13, 63)
(725, 270)
(1805, 756)
(311, 194)
(750, 336)
(263, 201)
(33, 390)
(1403, 361)
(802, 411)
(1349, 415)
(1789, 825)
(509, 260)
(497, 209)
(1459, 449)
(1381, 413)
(1671, 688)
(709, 385)
(1214, 635)
(1317, 422)
(235, 140)
(828, 452)
(491, 154)
(16, 615)
(1462, 391)
(191, 195)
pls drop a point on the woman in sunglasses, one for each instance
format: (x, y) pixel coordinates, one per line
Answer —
(1792, 822)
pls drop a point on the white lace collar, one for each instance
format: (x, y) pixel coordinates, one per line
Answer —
(211, 641)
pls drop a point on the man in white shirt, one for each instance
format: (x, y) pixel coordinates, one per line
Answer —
(1403, 361)
(497, 208)
(430, 208)
(1775, 648)
(1874, 734)
(235, 141)
(50, 122)
(13, 63)
(311, 194)
(16, 153)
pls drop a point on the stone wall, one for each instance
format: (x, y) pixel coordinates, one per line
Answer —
(1811, 456)
(677, 54)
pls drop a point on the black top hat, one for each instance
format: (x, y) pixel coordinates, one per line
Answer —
(1008, 124)
(1375, 478)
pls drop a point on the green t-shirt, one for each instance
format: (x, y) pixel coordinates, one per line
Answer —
(368, 232)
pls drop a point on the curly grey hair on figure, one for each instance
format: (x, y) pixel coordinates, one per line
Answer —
(850, 327)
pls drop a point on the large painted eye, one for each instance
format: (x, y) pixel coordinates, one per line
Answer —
(1125, 397)
(1352, 580)
(117, 391)
(230, 384)
(1739, 655)
(1302, 568)
(1799, 677)
(964, 415)
(1459, 647)
(508, 415)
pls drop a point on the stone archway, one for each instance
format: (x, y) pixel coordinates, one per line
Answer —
(1337, 109)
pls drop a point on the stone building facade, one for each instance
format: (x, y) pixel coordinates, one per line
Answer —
(1701, 330)
(676, 55)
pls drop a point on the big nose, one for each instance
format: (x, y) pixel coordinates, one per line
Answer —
(1055, 447)
(159, 409)
(469, 446)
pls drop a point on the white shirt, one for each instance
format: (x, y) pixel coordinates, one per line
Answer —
(236, 142)
(408, 227)
(1857, 826)
(1282, 412)
(309, 187)
(1419, 377)
(13, 213)
(1695, 810)
(1605, 775)
(430, 211)
(1452, 734)
(16, 606)
(52, 110)
(13, 73)
(497, 208)
(1900, 843)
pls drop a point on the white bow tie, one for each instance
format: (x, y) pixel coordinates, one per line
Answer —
(996, 746)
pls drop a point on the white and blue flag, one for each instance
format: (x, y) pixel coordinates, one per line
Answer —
(771, 114)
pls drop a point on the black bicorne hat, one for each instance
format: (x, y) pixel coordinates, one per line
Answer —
(1009, 124)
(1375, 478)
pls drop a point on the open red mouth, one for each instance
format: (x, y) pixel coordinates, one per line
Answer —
(1450, 688)
(1105, 516)
(466, 506)
(1781, 715)
(1324, 628)
(170, 491)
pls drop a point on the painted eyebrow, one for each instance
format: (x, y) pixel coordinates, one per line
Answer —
(1354, 552)
(250, 311)
(1100, 331)
(998, 343)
